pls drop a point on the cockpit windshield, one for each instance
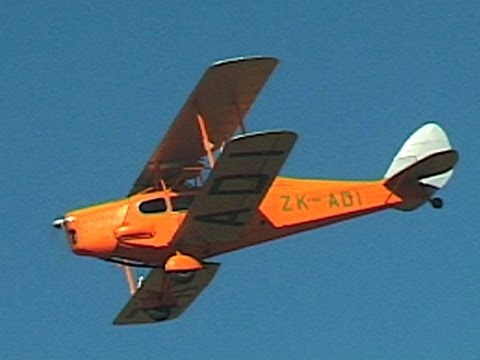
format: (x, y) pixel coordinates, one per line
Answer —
(159, 205)
(153, 206)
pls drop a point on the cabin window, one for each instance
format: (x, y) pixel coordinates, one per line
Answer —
(180, 203)
(153, 206)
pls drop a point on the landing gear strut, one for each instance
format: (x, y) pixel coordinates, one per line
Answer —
(437, 203)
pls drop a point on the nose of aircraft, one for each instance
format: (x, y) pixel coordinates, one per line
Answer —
(86, 235)
(63, 223)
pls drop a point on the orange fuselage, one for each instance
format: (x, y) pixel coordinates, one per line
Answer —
(142, 227)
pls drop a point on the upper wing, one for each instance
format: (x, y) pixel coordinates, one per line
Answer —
(233, 192)
(223, 96)
(161, 298)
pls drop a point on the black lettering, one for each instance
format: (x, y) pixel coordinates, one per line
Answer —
(240, 184)
(286, 203)
(347, 198)
(229, 218)
(301, 204)
(333, 202)
(257, 153)
(359, 199)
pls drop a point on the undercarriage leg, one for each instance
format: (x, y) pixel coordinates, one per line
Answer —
(132, 286)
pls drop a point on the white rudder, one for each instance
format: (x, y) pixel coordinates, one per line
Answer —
(423, 165)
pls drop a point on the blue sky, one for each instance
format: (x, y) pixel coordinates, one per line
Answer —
(87, 91)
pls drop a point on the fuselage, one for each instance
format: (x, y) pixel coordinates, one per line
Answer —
(142, 227)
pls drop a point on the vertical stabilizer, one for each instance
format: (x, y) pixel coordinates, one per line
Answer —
(423, 165)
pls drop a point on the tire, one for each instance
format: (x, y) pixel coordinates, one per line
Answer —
(437, 203)
(159, 313)
(182, 277)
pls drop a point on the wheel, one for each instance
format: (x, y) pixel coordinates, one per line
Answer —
(158, 313)
(182, 277)
(437, 203)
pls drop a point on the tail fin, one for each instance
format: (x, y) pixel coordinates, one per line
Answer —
(423, 165)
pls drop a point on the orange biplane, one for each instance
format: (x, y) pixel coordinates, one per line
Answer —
(206, 191)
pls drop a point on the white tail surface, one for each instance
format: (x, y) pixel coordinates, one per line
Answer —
(428, 140)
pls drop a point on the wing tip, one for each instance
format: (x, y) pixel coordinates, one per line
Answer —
(280, 132)
(238, 59)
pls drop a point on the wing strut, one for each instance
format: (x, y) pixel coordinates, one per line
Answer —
(207, 144)
(240, 119)
(132, 286)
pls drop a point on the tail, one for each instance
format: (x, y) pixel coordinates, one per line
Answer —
(423, 165)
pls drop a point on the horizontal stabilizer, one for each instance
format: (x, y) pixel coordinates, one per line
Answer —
(430, 166)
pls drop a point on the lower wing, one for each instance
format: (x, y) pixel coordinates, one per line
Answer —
(164, 296)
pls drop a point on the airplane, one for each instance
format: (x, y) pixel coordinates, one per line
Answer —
(210, 188)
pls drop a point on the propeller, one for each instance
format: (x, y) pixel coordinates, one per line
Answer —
(61, 222)
(58, 223)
